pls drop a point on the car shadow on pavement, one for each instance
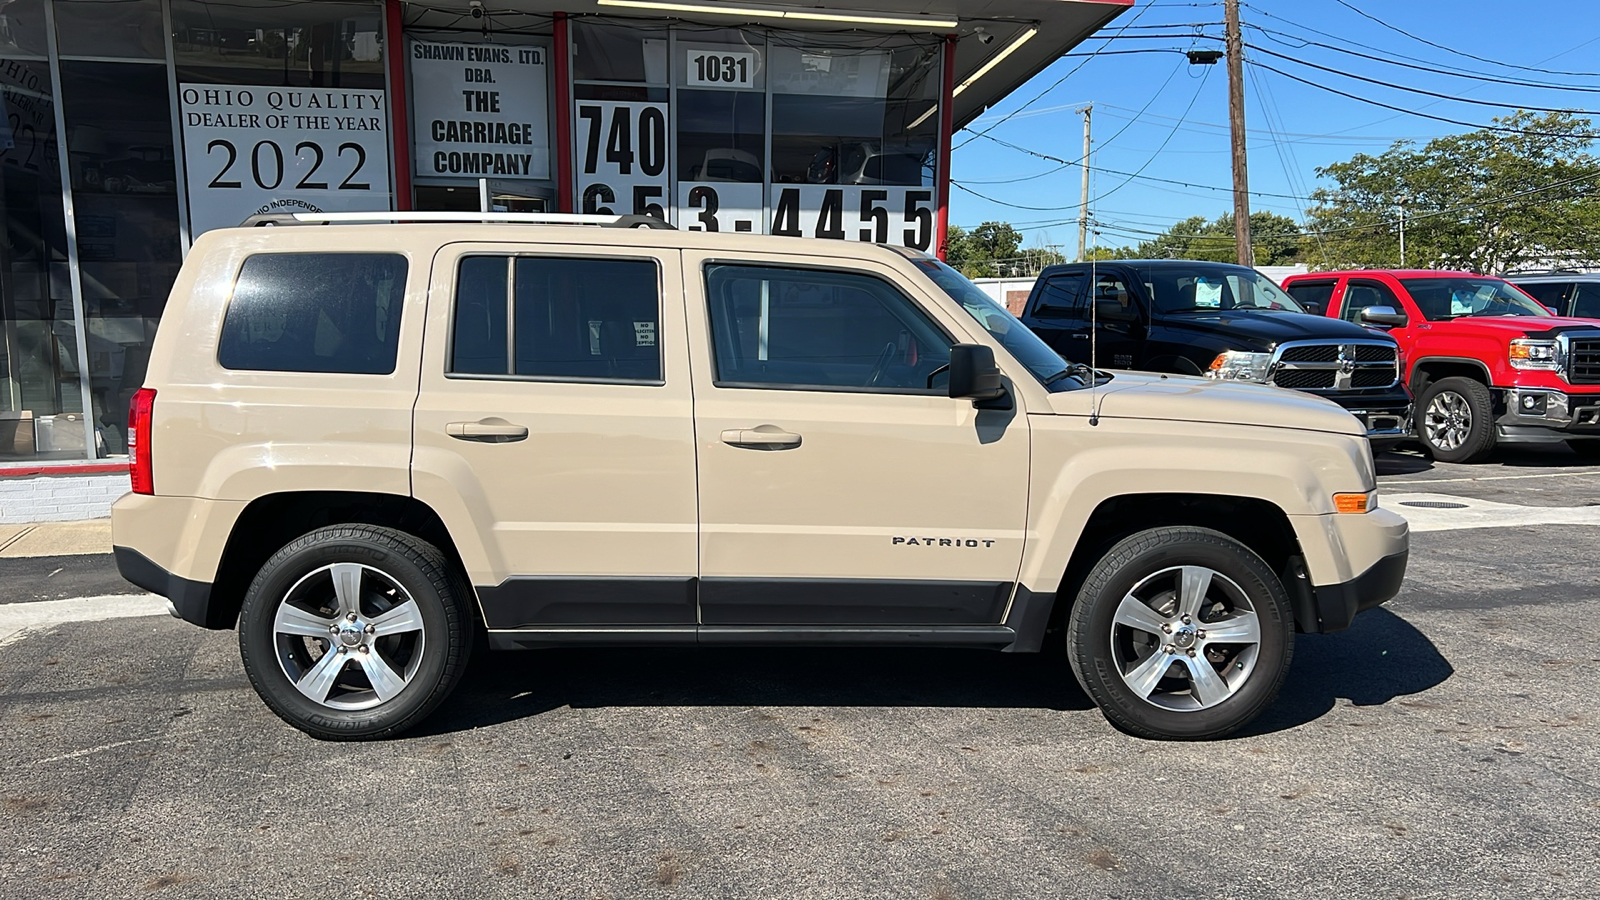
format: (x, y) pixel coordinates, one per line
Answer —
(502, 687)
(1395, 462)
(1379, 658)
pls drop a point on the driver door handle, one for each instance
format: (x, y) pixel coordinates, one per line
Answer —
(1080, 336)
(762, 437)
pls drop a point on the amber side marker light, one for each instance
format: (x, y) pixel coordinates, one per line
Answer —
(1354, 503)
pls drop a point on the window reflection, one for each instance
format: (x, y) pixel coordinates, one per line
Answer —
(124, 195)
(41, 403)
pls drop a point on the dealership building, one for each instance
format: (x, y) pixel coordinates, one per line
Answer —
(134, 126)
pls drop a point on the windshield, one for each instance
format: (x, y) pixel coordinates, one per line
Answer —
(1045, 364)
(1443, 299)
(1213, 287)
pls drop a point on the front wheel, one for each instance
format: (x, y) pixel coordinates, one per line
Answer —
(1457, 420)
(355, 632)
(1181, 633)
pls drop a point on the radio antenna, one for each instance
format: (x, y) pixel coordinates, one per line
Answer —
(1094, 328)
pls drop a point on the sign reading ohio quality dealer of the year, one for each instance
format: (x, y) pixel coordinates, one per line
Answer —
(481, 111)
(251, 149)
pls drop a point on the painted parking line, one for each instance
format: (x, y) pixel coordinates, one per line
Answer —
(1494, 477)
(17, 618)
(1448, 512)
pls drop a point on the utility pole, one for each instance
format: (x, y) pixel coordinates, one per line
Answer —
(1083, 203)
(1241, 180)
(1403, 199)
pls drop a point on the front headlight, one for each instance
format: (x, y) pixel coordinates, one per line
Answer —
(1237, 365)
(1531, 354)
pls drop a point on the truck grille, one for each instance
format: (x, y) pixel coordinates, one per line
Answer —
(1350, 366)
(1583, 361)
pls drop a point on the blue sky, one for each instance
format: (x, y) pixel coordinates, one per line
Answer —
(1158, 116)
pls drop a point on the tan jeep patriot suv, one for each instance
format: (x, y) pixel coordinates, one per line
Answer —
(369, 445)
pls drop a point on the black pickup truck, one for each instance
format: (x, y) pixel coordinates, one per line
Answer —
(1219, 321)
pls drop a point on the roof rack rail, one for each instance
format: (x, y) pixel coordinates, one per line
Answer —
(347, 218)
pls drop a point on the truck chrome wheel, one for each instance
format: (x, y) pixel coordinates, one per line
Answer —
(1185, 638)
(1448, 420)
(349, 636)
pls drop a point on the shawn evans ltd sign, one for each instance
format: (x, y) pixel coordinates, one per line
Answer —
(481, 111)
(251, 149)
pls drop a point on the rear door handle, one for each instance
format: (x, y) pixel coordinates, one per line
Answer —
(492, 430)
(762, 437)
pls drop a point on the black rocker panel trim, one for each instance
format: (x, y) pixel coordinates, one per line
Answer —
(524, 601)
(827, 601)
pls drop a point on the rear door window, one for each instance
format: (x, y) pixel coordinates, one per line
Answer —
(1551, 293)
(560, 319)
(315, 312)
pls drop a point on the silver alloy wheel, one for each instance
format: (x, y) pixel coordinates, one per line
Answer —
(1448, 420)
(348, 636)
(1185, 638)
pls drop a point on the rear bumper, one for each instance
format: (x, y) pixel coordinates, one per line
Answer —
(191, 600)
(1336, 605)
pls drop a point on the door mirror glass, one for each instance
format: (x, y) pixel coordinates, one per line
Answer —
(973, 374)
(1382, 316)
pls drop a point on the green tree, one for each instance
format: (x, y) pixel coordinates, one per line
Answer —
(1274, 239)
(1488, 201)
(994, 249)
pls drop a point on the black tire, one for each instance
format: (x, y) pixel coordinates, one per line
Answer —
(1589, 449)
(389, 565)
(1101, 650)
(1456, 396)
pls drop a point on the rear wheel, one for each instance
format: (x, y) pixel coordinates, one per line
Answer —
(1457, 420)
(355, 632)
(1181, 633)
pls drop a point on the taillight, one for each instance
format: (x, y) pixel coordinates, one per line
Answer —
(139, 466)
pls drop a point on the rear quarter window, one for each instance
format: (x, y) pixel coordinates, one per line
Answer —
(315, 312)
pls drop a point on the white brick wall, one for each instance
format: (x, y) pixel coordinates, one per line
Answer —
(59, 498)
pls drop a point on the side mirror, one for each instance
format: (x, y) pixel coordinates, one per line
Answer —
(1383, 317)
(973, 374)
(1553, 310)
(1312, 307)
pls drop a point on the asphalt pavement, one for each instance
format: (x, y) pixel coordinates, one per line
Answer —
(1444, 746)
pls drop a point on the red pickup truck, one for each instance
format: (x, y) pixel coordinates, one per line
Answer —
(1487, 363)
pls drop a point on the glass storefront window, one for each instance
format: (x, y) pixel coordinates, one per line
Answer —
(610, 52)
(269, 42)
(41, 402)
(124, 29)
(22, 29)
(125, 201)
(842, 115)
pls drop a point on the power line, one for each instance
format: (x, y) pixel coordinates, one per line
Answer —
(1451, 50)
(1504, 129)
(1278, 37)
(1413, 90)
(1186, 110)
(1057, 83)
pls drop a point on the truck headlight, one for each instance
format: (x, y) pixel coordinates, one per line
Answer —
(1237, 365)
(1531, 354)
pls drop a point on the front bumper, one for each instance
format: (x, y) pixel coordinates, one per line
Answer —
(1544, 415)
(1386, 415)
(1336, 605)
